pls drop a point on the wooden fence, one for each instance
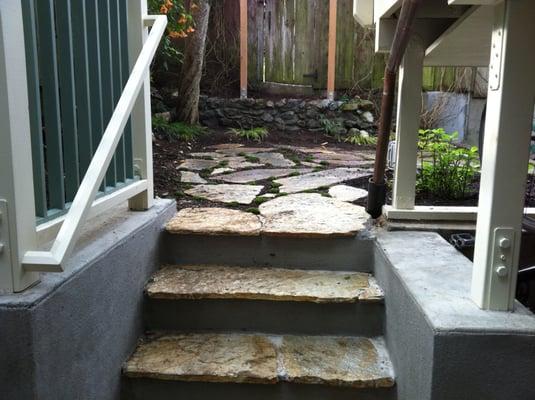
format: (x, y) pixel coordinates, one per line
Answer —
(287, 43)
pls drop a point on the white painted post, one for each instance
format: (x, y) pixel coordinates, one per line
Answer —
(141, 114)
(505, 155)
(17, 207)
(408, 123)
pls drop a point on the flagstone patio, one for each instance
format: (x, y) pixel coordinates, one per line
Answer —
(290, 190)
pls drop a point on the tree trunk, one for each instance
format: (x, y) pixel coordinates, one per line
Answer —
(187, 109)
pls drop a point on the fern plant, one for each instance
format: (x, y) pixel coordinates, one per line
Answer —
(177, 130)
(361, 140)
(254, 134)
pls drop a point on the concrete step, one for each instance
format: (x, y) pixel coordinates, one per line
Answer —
(223, 298)
(259, 366)
(232, 237)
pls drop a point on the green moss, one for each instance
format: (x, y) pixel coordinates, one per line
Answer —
(253, 210)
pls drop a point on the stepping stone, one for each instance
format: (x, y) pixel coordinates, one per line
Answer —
(208, 154)
(253, 175)
(311, 215)
(353, 163)
(225, 146)
(274, 159)
(319, 179)
(275, 284)
(195, 164)
(219, 171)
(214, 221)
(347, 193)
(337, 156)
(310, 164)
(191, 177)
(340, 361)
(245, 150)
(206, 358)
(355, 362)
(226, 193)
(241, 163)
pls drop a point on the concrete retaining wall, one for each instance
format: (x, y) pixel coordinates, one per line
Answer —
(67, 337)
(443, 347)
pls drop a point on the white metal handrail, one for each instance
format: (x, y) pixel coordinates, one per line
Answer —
(53, 260)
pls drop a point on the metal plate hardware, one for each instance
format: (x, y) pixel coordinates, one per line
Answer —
(496, 52)
(502, 262)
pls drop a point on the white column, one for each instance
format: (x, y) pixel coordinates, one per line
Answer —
(17, 207)
(505, 155)
(408, 123)
(141, 114)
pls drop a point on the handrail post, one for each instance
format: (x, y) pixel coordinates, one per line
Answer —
(141, 113)
(17, 201)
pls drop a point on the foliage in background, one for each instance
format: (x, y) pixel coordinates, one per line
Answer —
(177, 130)
(253, 134)
(447, 171)
(359, 139)
(332, 127)
(179, 24)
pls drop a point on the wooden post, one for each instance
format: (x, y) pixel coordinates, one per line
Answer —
(243, 49)
(331, 58)
(17, 200)
(505, 156)
(408, 123)
(141, 113)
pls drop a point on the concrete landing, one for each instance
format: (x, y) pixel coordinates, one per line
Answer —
(275, 284)
(236, 358)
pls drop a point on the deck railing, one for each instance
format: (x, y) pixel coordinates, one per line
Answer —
(67, 72)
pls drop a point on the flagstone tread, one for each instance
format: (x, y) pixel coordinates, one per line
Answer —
(214, 221)
(275, 284)
(311, 215)
(254, 358)
(206, 358)
(300, 215)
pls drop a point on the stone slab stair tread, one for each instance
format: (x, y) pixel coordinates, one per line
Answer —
(263, 359)
(275, 284)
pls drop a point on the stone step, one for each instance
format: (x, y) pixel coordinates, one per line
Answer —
(276, 284)
(280, 237)
(334, 361)
(222, 298)
(303, 215)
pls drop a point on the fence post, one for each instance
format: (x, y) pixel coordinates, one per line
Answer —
(505, 156)
(331, 55)
(408, 123)
(243, 48)
(141, 113)
(17, 200)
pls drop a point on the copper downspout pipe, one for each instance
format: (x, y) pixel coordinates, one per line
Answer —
(377, 187)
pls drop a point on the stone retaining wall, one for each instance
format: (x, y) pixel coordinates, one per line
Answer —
(287, 114)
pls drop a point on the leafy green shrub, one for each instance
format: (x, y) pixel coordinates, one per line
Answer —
(254, 134)
(332, 127)
(447, 170)
(177, 130)
(361, 140)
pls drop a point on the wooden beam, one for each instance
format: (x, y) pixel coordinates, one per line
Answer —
(331, 58)
(243, 49)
